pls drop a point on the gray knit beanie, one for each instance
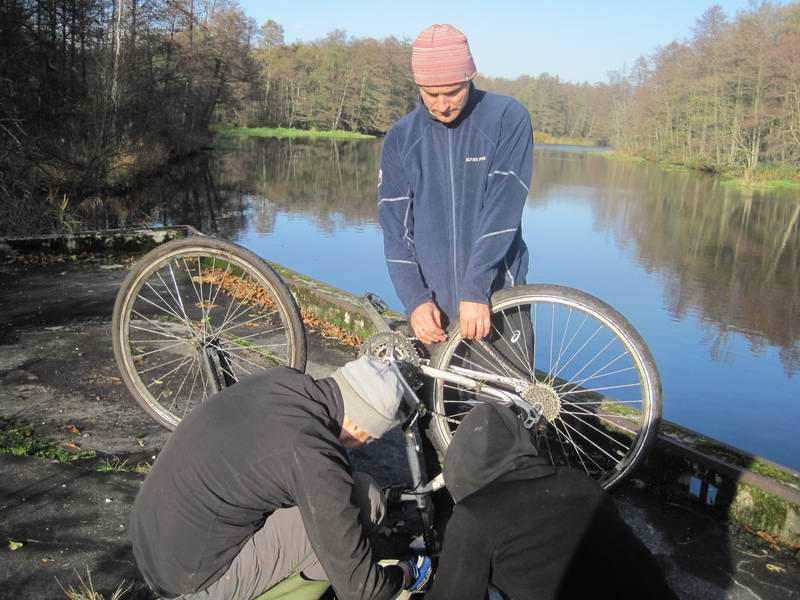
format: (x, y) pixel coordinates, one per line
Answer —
(371, 392)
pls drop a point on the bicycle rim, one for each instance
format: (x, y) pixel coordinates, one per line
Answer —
(582, 364)
(198, 318)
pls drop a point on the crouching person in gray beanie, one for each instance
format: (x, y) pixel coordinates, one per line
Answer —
(254, 495)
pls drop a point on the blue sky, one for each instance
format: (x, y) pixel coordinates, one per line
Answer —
(579, 40)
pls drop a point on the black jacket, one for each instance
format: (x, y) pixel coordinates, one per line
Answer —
(269, 442)
(531, 535)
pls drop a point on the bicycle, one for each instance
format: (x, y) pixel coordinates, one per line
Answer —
(579, 375)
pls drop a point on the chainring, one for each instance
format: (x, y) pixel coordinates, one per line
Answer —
(395, 345)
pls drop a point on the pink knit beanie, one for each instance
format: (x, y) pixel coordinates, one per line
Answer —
(440, 56)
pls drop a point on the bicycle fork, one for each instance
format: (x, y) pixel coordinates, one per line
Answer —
(417, 466)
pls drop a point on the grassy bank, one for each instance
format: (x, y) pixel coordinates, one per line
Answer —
(776, 177)
(539, 137)
(286, 132)
(773, 177)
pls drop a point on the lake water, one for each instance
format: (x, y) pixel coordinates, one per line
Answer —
(708, 274)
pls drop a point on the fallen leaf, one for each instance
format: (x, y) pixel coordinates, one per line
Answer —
(71, 447)
(766, 536)
(775, 568)
(14, 545)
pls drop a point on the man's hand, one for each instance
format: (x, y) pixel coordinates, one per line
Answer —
(474, 320)
(426, 322)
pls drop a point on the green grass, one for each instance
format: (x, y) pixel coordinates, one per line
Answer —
(767, 177)
(85, 589)
(285, 132)
(113, 465)
(773, 184)
(540, 137)
(18, 439)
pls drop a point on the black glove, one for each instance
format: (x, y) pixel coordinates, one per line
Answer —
(420, 571)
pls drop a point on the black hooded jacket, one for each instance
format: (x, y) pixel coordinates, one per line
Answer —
(532, 531)
(269, 442)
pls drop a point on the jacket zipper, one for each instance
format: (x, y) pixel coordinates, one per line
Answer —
(453, 205)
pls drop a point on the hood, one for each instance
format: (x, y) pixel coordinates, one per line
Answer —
(491, 444)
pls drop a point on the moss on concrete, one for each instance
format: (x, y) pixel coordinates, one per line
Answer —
(762, 511)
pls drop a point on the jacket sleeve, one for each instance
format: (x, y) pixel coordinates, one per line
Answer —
(396, 216)
(323, 484)
(507, 188)
(465, 560)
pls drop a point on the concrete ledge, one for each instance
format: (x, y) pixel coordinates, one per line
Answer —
(743, 489)
(332, 305)
(90, 242)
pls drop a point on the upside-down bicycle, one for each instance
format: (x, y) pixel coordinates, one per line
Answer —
(196, 315)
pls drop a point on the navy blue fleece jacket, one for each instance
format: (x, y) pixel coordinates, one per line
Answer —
(450, 199)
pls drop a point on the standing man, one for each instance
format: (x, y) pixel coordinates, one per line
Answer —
(454, 177)
(255, 486)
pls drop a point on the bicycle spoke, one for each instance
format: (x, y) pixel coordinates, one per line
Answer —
(587, 403)
(191, 391)
(564, 452)
(138, 356)
(257, 317)
(569, 344)
(169, 291)
(235, 360)
(241, 309)
(581, 453)
(525, 342)
(607, 417)
(164, 364)
(155, 324)
(552, 330)
(596, 331)
(600, 389)
(567, 436)
(563, 339)
(598, 430)
(180, 387)
(178, 293)
(221, 279)
(567, 425)
(168, 309)
(163, 378)
(252, 335)
(516, 354)
(595, 375)
(242, 358)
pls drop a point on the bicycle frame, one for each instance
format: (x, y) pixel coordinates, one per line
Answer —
(421, 488)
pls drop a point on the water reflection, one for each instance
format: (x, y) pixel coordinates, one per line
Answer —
(731, 256)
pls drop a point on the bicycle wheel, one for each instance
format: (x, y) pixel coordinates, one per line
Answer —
(577, 360)
(196, 315)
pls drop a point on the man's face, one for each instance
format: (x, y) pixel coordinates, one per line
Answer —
(445, 102)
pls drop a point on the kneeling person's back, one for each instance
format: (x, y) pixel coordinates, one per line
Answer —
(271, 441)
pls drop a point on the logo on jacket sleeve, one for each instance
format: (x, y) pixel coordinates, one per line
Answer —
(380, 177)
(475, 159)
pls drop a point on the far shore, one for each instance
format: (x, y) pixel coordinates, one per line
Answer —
(767, 178)
(289, 132)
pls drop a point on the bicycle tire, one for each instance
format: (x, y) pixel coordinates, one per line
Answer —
(154, 299)
(593, 419)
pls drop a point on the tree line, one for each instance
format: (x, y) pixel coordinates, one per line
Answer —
(94, 92)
